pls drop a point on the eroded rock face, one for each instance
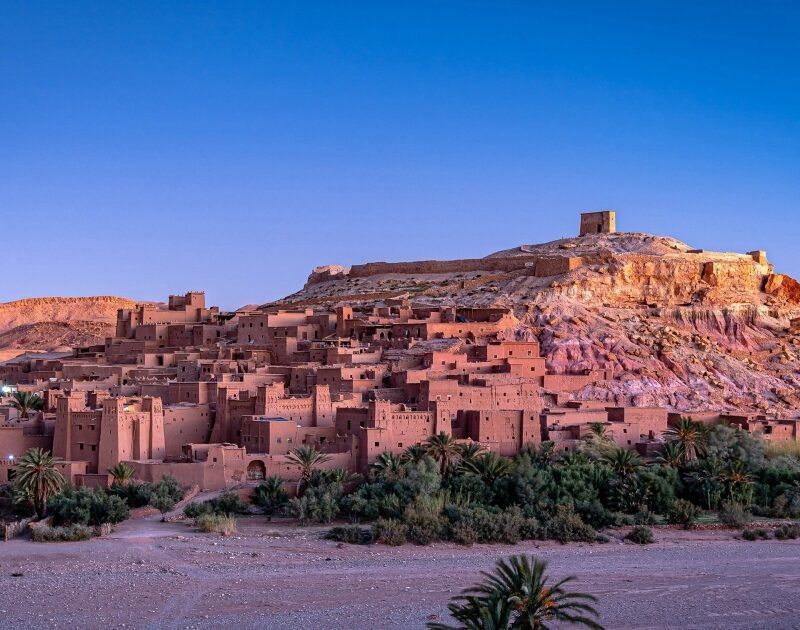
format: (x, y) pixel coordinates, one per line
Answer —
(685, 328)
(52, 322)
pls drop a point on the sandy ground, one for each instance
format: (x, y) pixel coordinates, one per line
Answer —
(154, 575)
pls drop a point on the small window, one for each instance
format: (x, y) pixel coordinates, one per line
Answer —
(377, 443)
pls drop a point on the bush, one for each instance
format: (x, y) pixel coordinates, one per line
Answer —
(733, 515)
(316, 504)
(644, 517)
(136, 495)
(602, 539)
(73, 533)
(351, 534)
(170, 487)
(566, 526)
(683, 513)
(82, 506)
(640, 535)
(389, 531)
(755, 534)
(216, 523)
(788, 532)
(469, 525)
(270, 496)
(196, 508)
(163, 502)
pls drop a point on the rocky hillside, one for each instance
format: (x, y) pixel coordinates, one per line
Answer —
(682, 327)
(56, 323)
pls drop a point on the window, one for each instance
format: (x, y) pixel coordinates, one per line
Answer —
(279, 440)
(94, 447)
(377, 443)
(80, 446)
(80, 427)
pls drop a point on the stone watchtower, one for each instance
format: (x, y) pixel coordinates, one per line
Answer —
(604, 222)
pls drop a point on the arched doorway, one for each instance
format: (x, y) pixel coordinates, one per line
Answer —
(256, 471)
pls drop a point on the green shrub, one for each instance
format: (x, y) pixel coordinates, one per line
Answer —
(468, 525)
(683, 513)
(136, 495)
(82, 506)
(389, 531)
(755, 534)
(602, 539)
(228, 503)
(224, 524)
(316, 505)
(733, 515)
(44, 533)
(196, 508)
(644, 517)
(788, 532)
(351, 534)
(566, 526)
(640, 535)
(270, 496)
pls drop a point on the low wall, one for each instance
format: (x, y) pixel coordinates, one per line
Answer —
(541, 266)
(12, 530)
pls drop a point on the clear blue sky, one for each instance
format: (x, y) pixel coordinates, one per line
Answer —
(153, 148)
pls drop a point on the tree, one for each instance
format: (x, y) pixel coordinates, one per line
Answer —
(469, 451)
(388, 467)
(671, 454)
(163, 501)
(622, 461)
(444, 449)
(489, 467)
(691, 437)
(517, 595)
(414, 453)
(122, 473)
(270, 496)
(307, 458)
(739, 483)
(25, 402)
(37, 476)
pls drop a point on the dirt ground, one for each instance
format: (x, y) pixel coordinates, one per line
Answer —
(157, 576)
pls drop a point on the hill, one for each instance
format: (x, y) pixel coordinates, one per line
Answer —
(681, 327)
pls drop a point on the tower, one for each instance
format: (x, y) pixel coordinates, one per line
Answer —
(604, 222)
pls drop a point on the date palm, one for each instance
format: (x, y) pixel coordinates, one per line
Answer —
(444, 449)
(270, 496)
(388, 466)
(36, 475)
(122, 473)
(489, 467)
(671, 454)
(25, 402)
(470, 451)
(306, 458)
(691, 436)
(739, 483)
(623, 461)
(517, 595)
(414, 453)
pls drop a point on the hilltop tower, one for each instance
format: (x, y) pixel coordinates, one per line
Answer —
(604, 222)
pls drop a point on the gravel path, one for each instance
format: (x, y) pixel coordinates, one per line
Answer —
(162, 575)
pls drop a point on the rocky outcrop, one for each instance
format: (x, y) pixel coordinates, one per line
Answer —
(681, 327)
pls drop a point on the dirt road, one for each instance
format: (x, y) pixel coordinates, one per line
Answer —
(158, 576)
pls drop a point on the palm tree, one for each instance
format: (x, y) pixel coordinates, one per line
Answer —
(270, 495)
(489, 467)
(598, 436)
(671, 454)
(623, 461)
(691, 436)
(25, 402)
(739, 482)
(708, 478)
(516, 595)
(307, 458)
(469, 451)
(388, 467)
(122, 473)
(36, 474)
(414, 453)
(444, 449)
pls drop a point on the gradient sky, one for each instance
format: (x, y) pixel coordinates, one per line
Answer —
(154, 148)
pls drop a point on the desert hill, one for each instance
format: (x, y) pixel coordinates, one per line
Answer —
(681, 327)
(52, 323)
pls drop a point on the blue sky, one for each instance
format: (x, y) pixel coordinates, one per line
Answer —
(154, 148)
